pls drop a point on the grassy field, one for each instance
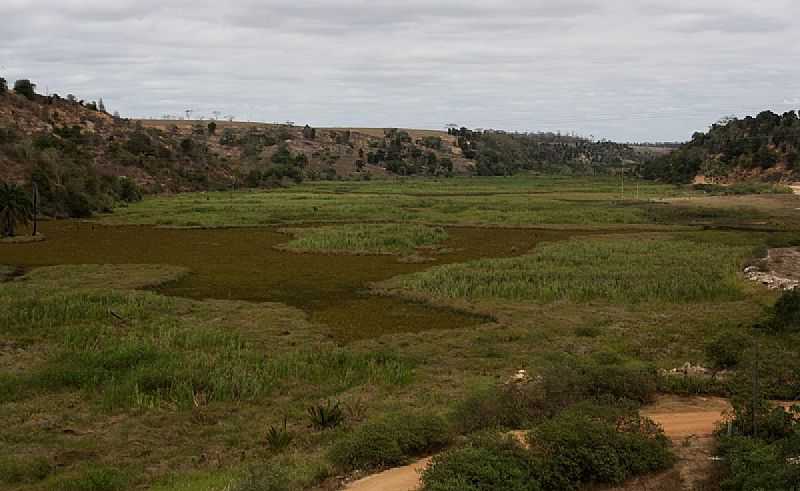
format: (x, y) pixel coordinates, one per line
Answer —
(106, 384)
(524, 201)
(392, 238)
(617, 270)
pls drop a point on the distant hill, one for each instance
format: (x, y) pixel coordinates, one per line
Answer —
(765, 147)
(85, 160)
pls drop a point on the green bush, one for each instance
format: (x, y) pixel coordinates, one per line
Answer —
(487, 463)
(785, 314)
(754, 464)
(566, 382)
(583, 448)
(25, 88)
(572, 380)
(371, 447)
(727, 350)
(510, 407)
(389, 441)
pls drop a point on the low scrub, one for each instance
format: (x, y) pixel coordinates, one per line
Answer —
(743, 188)
(566, 382)
(615, 270)
(759, 464)
(580, 446)
(95, 479)
(21, 470)
(390, 441)
(785, 314)
(486, 463)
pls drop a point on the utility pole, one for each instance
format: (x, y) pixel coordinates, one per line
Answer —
(755, 399)
(622, 183)
(35, 209)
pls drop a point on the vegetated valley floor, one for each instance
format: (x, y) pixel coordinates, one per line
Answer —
(155, 346)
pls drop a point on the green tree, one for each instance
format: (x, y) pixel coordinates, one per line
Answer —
(15, 208)
(3, 86)
(25, 87)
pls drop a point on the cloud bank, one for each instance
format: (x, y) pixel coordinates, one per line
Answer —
(624, 70)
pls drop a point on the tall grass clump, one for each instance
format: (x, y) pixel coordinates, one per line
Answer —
(621, 271)
(137, 373)
(394, 238)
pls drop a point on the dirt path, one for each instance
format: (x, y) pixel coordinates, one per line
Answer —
(688, 421)
(404, 478)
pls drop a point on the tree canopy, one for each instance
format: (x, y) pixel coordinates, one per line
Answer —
(16, 208)
(752, 145)
(25, 87)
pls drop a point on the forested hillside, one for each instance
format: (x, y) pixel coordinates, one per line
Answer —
(763, 147)
(504, 153)
(83, 159)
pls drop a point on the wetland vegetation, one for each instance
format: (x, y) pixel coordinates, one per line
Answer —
(278, 338)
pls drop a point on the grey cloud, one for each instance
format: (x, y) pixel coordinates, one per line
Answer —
(653, 69)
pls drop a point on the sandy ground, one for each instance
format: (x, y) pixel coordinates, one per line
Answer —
(688, 421)
(404, 478)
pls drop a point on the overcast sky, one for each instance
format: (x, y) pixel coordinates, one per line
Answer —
(618, 69)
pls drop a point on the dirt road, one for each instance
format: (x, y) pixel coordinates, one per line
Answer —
(688, 421)
(404, 478)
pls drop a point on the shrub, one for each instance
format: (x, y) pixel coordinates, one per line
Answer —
(278, 438)
(78, 204)
(129, 191)
(368, 448)
(785, 314)
(389, 441)
(487, 463)
(25, 88)
(755, 464)
(3, 85)
(512, 406)
(726, 350)
(584, 448)
(563, 384)
(572, 380)
(324, 416)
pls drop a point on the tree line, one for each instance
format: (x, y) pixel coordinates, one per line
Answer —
(751, 145)
(498, 153)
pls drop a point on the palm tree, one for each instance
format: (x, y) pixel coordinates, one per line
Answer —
(15, 208)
